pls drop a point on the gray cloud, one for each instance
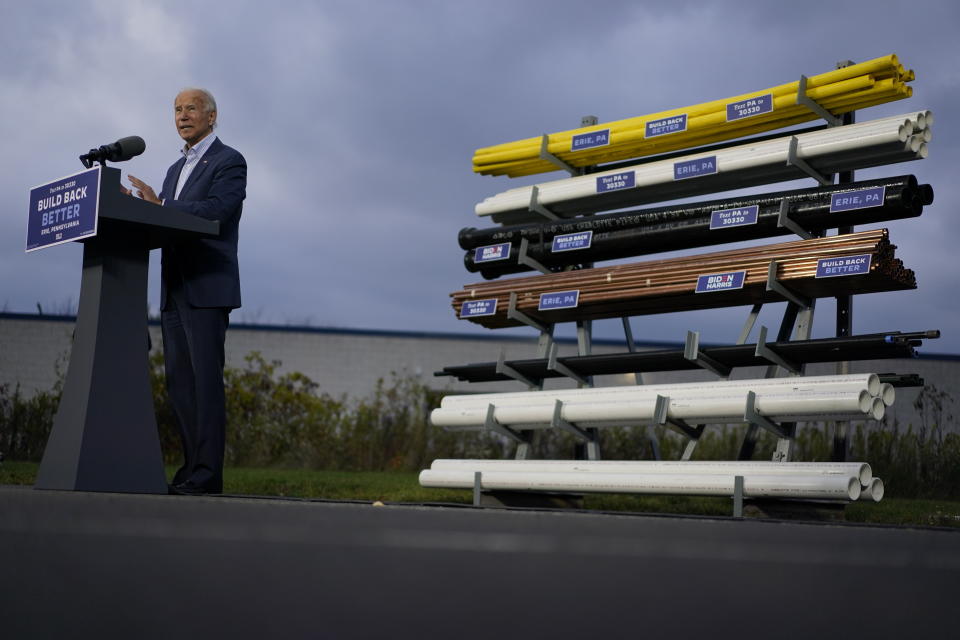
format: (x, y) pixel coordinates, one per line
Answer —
(359, 119)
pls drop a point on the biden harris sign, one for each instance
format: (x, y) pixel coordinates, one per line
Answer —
(64, 210)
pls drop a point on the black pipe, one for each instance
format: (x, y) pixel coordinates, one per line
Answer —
(470, 238)
(639, 232)
(876, 346)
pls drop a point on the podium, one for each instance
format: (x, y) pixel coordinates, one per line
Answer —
(104, 435)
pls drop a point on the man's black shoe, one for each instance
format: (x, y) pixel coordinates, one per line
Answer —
(190, 489)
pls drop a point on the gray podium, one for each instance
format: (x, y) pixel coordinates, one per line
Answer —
(104, 435)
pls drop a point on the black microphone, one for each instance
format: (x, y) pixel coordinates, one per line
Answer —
(122, 149)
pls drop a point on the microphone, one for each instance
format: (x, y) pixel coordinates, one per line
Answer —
(122, 149)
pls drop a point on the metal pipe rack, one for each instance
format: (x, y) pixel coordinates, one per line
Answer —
(538, 214)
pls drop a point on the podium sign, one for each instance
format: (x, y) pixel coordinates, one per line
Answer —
(64, 210)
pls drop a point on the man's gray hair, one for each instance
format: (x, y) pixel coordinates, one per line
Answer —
(207, 96)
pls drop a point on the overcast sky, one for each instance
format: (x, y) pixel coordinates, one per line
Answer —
(358, 121)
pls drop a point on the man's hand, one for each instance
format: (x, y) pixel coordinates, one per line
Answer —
(144, 190)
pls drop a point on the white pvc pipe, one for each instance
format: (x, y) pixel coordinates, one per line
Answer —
(888, 393)
(832, 383)
(627, 412)
(861, 470)
(813, 487)
(852, 146)
(914, 143)
(873, 491)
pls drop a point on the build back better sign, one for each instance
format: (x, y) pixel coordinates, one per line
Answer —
(64, 210)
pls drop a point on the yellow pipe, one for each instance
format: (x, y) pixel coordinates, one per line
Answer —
(535, 167)
(785, 115)
(885, 64)
(560, 145)
(839, 90)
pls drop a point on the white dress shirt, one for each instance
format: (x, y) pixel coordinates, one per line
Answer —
(193, 155)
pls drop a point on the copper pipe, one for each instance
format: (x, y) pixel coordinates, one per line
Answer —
(664, 286)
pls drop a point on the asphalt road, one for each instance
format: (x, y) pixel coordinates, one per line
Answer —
(79, 565)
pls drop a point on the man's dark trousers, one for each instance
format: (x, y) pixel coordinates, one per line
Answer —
(195, 386)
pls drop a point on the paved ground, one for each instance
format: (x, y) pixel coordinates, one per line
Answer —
(77, 565)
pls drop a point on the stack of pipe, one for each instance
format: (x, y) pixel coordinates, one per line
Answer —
(665, 286)
(856, 146)
(855, 87)
(811, 398)
(843, 481)
(633, 233)
(894, 344)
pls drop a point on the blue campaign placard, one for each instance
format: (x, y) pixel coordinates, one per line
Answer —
(617, 181)
(844, 266)
(475, 308)
(64, 210)
(859, 199)
(694, 168)
(590, 140)
(572, 241)
(750, 107)
(664, 126)
(492, 252)
(726, 218)
(559, 300)
(721, 281)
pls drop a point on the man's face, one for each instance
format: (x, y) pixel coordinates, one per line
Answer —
(193, 120)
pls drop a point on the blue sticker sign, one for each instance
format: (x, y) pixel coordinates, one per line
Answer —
(64, 210)
(476, 308)
(750, 107)
(741, 216)
(559, 300)
(845, 266)
(617, 181)
(664, 126)
(694, 168)
(860, 199)
(572, 241)
(721, 281)
(492, 252)
(590, 140)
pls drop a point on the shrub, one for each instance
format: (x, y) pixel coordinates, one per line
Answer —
(25, 422)
(284, 420)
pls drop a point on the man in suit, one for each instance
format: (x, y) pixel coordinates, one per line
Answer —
(200, 285)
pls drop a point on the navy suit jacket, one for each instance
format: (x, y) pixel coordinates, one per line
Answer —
(215, 190)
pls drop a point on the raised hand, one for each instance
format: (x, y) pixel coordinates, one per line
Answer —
(144, 190)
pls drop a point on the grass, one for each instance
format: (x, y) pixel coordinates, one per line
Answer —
(400, 486)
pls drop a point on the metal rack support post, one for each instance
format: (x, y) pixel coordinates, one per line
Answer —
(631, 345)
(504, 369)
(555, 365)
(557, 422)
(543, 348)
(813, 105)
(784, 220)
(536, 207)
(691, 352)
(793, 160)
(752, 417)
(524, 258)
(549, 157)
(844, 309)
